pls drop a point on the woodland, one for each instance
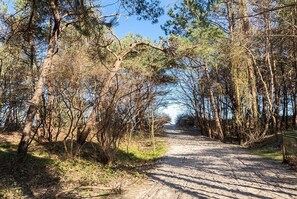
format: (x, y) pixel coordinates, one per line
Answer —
(67, 78)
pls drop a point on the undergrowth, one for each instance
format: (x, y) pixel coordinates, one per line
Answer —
(269, 148)
(47, 175)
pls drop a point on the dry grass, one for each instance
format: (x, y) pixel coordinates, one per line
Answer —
(46, 173)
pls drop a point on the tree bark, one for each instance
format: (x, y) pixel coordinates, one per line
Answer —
(82, 136)
(294, 31)
(214, 106)
(36, 99)
(153, 131)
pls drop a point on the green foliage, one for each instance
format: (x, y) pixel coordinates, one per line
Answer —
(144, 9)
(146, 60)
(19, 4)
(188, 15)
(3, 6)
(203, 44)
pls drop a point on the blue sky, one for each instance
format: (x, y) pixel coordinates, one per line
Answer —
(144, 28)
(130, 24)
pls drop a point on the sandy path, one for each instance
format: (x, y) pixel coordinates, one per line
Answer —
(198, 167)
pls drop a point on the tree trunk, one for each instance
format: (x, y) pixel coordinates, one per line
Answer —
(214, 106)
(82, 136)
(206, 129)
(35, 101)
(295, 111)
(269, 63)
(153, 131)
(294, 31)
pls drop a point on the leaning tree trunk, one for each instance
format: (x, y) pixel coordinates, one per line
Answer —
(36, 99)
(214, 107)
(82, 136)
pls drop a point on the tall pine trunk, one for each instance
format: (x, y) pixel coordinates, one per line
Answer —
(36, 99)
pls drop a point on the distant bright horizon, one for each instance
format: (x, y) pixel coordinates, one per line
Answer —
(173, 110)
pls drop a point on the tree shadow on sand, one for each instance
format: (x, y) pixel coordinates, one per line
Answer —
(212, 169)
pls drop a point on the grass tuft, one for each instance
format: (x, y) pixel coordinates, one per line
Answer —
(145, 151)
(276, 155)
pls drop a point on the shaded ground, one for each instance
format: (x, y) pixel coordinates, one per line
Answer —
(47, 171)
(198, 167)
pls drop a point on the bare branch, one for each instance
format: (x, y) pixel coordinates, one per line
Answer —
(268, 10)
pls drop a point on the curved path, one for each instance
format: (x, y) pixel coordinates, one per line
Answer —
(198, 167)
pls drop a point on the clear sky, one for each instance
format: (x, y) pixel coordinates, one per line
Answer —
(130, 24)
(144, 28)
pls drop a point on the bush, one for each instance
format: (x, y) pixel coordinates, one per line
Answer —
(185, 121)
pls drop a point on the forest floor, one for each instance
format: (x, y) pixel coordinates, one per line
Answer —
(199, 167)
(47, 172)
